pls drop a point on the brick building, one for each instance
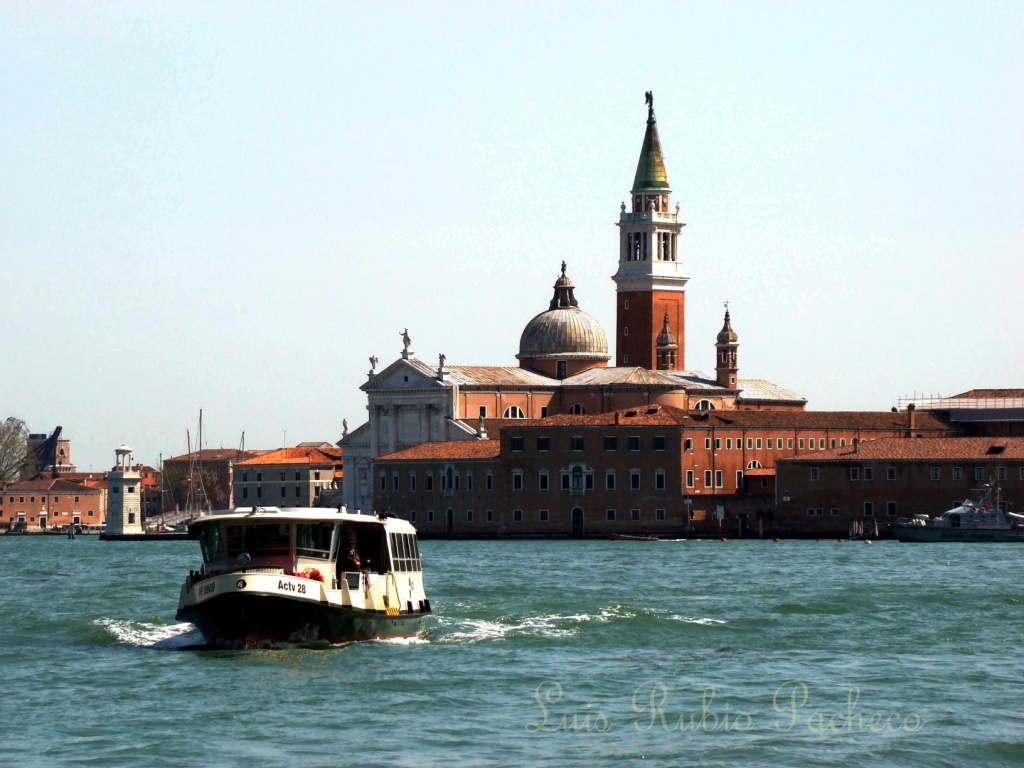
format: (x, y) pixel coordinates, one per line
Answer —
(654, 469)
(216, 465)
(867, 485)
(305, 476)
(51, 503)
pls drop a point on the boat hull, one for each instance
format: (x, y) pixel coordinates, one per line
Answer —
(921, 533)
(253, 620)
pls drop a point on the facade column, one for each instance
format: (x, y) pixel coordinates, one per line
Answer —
(374, 431)
(425, 423)
(392, 428)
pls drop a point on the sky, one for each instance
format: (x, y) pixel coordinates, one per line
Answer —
(232, 206)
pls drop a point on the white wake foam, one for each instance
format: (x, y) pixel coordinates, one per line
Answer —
(141, 634)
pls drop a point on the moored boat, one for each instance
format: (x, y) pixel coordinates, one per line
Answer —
(629, 537)
(305, 576)
(981, 520)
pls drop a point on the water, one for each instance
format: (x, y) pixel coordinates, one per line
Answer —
(539, 653)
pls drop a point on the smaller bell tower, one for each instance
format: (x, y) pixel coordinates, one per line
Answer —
(124, 495)
(726, 367)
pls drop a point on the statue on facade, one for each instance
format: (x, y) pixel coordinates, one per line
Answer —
(649, 101)
(373, 363)
(406, 341)
(344, 428)
(440, 360)
(563, 269)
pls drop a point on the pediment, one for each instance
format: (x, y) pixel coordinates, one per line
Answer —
(403, 375)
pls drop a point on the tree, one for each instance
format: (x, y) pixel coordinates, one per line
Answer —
(13, 449)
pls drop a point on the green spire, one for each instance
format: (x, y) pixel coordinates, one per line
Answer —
(650, 171)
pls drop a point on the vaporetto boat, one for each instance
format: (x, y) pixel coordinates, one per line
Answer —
(306, 576)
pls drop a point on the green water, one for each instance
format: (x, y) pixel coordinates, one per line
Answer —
(539, 653)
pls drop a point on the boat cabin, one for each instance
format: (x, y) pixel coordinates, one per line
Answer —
(312, 543)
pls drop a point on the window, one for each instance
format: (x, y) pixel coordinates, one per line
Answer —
(718, 478)
(770, 443)
(284, 491)
(855, 473)
(789, 443)
(469, 481)
(576, 409)
(958, 473)
(659, 442)
(430, 481)
(832, 443)
(979, 473)
(576, 443)
(469, 515)
(517, 480)
(565, 481)
(634, 479)
(890, 508)
(282, 477)
(815, 474)
(383, 482)
(259, 492)
(821, 444)
(543, 411)
(625, 330)
(834, 512)
(935, 473)
(750, 443)
(517, 515)
(245, 479)
(1000, 473)
(659, 480)
(394, 482)
(609, 480)
(754, 464)
(544, 515)
(688, 445)
(704, 405)
(890, 473)
(490, 515)
(634, 514)
(513, 412)
(490, 480)
(739, 478)
(659, 514)
(759, 443)
(869, 509)
(298, 476)
(842, 442)
(814, 512)
(869, 473)
(543, 443)
(810, 444)
(707, 443)
(707, 478)
(245, 493)
(259, 477)
(611, 443)
(483, 411)
(298, 492)
(609, 514)
(689, 478)
(800, 443)
(728, 443)
(718, 443)
(517, 443)
(634, 442)
(543, 480)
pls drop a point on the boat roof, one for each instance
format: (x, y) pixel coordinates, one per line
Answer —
(299, 514)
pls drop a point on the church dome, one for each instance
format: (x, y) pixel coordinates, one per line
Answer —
(565, 331)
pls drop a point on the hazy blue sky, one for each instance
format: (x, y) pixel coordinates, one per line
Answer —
(231, 206)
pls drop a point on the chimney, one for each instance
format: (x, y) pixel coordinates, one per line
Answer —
(856, 444)
(911, 421)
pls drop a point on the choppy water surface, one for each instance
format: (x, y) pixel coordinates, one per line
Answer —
(568, 653)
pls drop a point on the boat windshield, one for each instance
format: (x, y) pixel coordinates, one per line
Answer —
(212, 542)
(316, 540)
(263, 540)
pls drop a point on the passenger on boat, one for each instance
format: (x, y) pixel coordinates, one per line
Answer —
(352, 562)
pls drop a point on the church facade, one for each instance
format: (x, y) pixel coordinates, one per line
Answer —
(563, 360)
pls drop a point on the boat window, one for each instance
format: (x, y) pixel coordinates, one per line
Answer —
(257, 540)
(212, 543)
(314, 540)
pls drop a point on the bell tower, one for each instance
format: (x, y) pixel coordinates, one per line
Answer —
(726, 364)
(650, 284)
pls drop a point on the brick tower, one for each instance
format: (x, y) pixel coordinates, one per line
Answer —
(650, 284)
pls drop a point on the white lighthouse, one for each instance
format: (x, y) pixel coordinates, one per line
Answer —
(124, 495)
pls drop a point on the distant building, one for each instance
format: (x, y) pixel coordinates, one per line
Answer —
(181, 476)
(51, 453)
(51, 503)
(306, 476)
(564, 354)
(874, 482)
(124, 495)
(654, 469)
(978, 411)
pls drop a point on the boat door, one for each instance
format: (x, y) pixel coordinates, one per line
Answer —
(577, 523)
(449, 521)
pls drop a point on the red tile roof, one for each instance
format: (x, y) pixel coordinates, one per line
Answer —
(215, 454)
(988, 394)
(760, 472)
(49, 486)
(307, 455)
(925, 449)
(449, 449)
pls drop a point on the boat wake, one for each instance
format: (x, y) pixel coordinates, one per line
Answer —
(141, 634)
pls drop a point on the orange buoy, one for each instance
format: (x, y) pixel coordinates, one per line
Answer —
(841, 540)
(776, 539)
(724, 539)
(819, 539)
(867, 541)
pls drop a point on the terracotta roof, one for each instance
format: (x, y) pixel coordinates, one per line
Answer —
(984, 394)
(760, 472)
(214, 454)
(655, 415)
(929, 449)
(449, 449)
(50, 486)
(306, 455)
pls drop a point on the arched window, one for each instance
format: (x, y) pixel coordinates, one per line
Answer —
(755, 464)
(513, 412)
(577, 409)
(704, 405)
